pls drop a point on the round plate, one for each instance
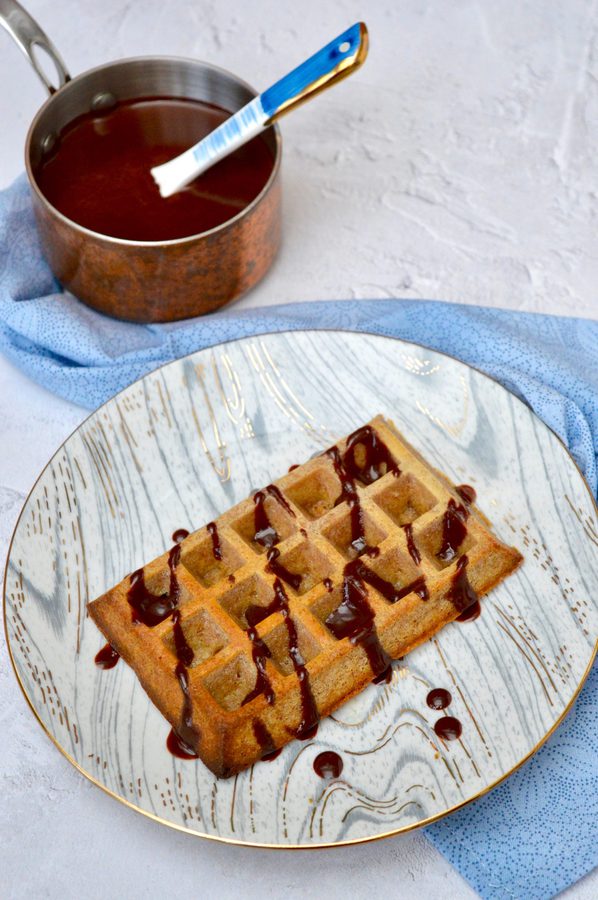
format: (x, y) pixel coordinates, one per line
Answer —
(194, 437)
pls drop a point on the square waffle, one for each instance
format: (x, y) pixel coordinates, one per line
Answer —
(252, 628)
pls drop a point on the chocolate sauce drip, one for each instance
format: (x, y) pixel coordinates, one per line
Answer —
(461, 592)
(467, 493)
(260, 652)
(471, 613)
(327, 582)
(186, 730)
(310, 717)
(184, 652)
(98, 173)
(293, 467)
(177, 746)
(179, 535)
(279, 496)
(387, 588)
(438, 698)
(265, 532)
(350, 496)
(454, 530)
(377, 461)
(212, 530)
(293, 579)
(328, 764)
(411, 545)
(354, 619)
(231, 579)
(107, 657)
(147, 608)
(265, 741)
(151, 609)
(448, 728)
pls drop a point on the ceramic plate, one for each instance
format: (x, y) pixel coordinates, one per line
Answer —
(189, 440)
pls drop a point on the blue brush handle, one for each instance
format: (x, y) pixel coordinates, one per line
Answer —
(336, 60)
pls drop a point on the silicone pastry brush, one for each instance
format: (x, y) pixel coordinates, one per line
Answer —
(335, 61)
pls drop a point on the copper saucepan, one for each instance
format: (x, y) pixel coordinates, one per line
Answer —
(145, 281)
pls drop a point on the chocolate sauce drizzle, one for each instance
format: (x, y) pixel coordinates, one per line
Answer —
(327, 582)
(179, 535)
(151, 609)
(212, 530)
(461, 592)
(411, 545)
(454, 530)
(350, 496)
(439, 698)
(265, 532)
(378, 459)
(107, 657)
(147, 608)
(293, 579)
(354, 618)
(328, 764)
(253, 615)
(260, 652)
(265, 741)
(376, 463)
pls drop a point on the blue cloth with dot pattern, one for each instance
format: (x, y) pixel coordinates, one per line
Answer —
(536, 834)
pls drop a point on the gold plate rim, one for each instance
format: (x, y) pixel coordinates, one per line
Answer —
(257, 844)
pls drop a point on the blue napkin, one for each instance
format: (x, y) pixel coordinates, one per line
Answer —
(534, 835)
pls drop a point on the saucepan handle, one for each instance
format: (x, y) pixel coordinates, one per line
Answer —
(27, 34)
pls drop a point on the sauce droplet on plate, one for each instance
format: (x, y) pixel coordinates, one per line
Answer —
(328, 764)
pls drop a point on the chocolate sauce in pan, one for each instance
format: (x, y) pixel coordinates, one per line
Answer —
(99, 171)
(179, 535)
(454, 530)
(461, 592)
(107, 657)
(354, 619)
(293, 579)
(467, 493)
(265, 532)
(328, 764)
(411, 545)
(448, 728)
(439, 698)
(265, 741)
(378, 459)
(260, 652)
(212, 530)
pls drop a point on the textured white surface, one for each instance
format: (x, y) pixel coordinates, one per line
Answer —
(458, 163)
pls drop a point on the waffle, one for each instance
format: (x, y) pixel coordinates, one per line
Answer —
(254, 627)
